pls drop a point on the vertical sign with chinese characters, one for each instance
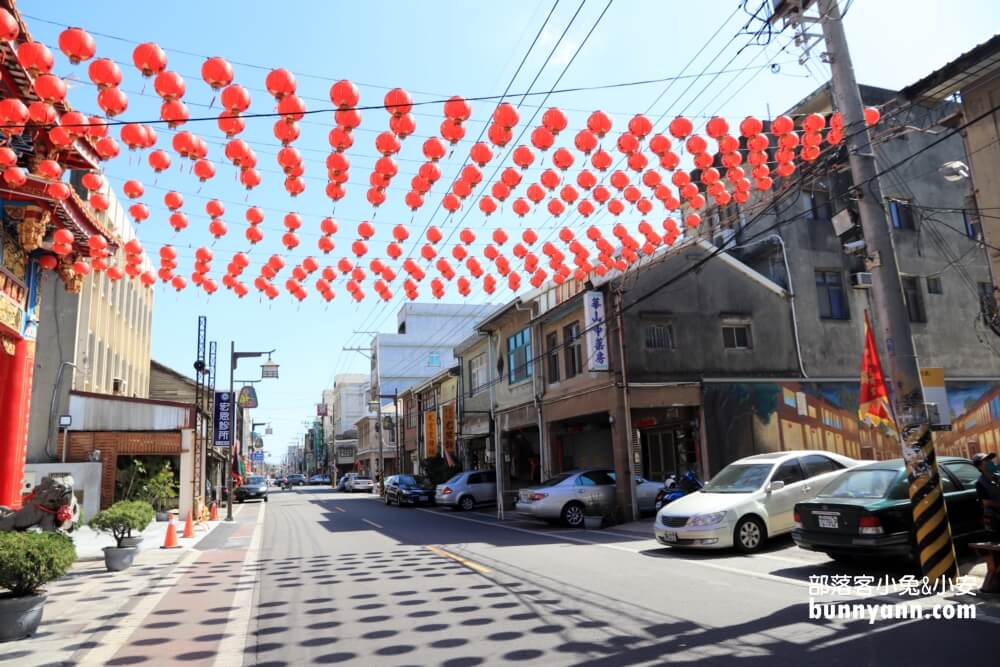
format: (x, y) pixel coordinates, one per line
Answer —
(448, 427)
(597, 331)
(223, 421)
(430, 435)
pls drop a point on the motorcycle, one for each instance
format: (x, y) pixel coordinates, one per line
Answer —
(674, 488)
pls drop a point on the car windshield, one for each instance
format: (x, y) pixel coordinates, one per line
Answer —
(254, 480)
(362, 479)
(860, 484)
(406, 481)
(455, 479)
(557, 480)
(739, 478)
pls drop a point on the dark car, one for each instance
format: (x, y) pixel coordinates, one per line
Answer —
(865, 512)
(253, 487)
(408, 490)
(296, 480)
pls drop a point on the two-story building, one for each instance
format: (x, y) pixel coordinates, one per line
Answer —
(473, 393)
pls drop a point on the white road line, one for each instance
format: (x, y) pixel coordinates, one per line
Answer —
(237, 629)
(339, 509)
(372, 523)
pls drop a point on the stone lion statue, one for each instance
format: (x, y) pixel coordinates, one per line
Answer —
(51, 506)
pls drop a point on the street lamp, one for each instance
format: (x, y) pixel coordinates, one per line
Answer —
(375, 405)
(268, 369)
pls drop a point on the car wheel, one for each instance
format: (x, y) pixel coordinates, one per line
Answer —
(749, 535)
(385, 499)
(265, 499)
(572, 514)
(467, 503)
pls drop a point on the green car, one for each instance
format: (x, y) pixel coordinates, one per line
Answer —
(865, 512)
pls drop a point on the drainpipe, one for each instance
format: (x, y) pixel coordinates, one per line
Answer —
(791, 293)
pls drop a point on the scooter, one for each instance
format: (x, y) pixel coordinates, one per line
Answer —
(674, 488)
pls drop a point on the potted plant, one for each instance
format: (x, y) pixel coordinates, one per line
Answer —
(119, 521)
(28, 560)
(160, 489)
(593, 518)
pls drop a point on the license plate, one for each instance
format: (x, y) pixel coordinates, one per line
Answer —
(670, 537)
(827, 521)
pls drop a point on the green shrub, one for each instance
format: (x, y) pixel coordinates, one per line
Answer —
(122, 518)
(29, 560)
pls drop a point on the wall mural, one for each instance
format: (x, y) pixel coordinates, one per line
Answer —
(745, 418)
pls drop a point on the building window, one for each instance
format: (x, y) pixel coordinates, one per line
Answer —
(830, 293)
(934, 285)
(914, 300)
(971, 223)
(659, 337)
(519, 356)
(571, 339)
(552, 349)
(434, 359)
(736, 336)
(901, 213)
(819, 205)
(477, 374)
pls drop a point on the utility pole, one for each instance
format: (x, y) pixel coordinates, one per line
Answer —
(930, 518)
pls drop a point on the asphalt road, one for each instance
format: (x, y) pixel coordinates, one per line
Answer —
(345, 579)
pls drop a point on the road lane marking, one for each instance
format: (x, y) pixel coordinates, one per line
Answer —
(339, 508)
(372, 523)
(472, 565)
(236, 632)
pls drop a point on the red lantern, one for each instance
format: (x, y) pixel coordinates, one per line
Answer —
(112, 101)
(59, 191)
(387, 143)
(480, 153)
(599, 123)
(178, 221)
(35, 57)
(250, 178)
(139, 212)
(169, 85)
(680, 127)
(159, 160)
(550, 179)
(872, 116)
(585, 141)
(506, 115)
(9, 28)
(280, 83)
(50, 88)
(521, 207)
(452, 132)
(562, 158)
(291, 108)
(398, 102)
(347, 118)
(554, 120)
(542, 138)
(451, 202)
(523, 157)
(217, 228)
(601, 160)
(511, 177)
(457, 109)
(235, 98)
(344, 94)
(376, 196)
(42, 113)
(204, 170)
(782, 125)
(413, 200)
(640, 126)
(173, 200)
(487, 204)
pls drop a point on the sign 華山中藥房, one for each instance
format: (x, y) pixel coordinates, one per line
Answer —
(597, 331)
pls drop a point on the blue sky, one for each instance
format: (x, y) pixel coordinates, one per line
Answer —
(431, 49)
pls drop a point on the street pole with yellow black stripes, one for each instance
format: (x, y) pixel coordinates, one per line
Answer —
(934, 546)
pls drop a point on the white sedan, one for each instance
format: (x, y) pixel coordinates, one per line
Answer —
(748, 500)
(364, 484)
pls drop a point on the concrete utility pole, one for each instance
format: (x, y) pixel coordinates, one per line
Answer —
(930, 518)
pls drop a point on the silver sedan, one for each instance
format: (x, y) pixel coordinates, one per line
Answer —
(569, 497)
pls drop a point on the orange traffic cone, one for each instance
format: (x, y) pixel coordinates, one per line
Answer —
(170, 541)
(188, 526)
(214, 513)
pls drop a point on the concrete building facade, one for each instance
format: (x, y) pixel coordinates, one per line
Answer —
(97, 340)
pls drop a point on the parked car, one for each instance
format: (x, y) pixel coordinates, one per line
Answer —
(468, 489)
(748, 501)
(569, 497)
(408, 490)
(866, 511)
(296, 480)
(360, 483)
(253, 487)
(319, 479)
(344, 483)
(645, 493)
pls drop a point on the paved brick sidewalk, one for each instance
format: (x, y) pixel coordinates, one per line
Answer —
(172, 606)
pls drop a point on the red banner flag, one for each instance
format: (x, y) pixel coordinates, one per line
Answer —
(873, 402)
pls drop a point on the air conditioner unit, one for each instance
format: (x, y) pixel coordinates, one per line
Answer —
(118, 386)
(861, 280)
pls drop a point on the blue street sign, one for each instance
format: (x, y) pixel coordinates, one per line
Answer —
(257, 457)
(224, 422)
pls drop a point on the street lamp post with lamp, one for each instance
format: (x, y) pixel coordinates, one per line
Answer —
(376, 406)
(268, 370)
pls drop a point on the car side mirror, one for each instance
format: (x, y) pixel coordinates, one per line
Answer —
(776, 485)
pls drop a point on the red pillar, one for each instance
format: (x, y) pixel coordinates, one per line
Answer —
(15, 402)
